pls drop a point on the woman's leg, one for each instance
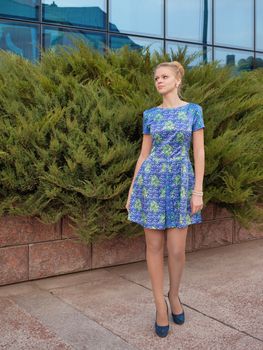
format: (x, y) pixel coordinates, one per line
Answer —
(176, 241)
(154, 257)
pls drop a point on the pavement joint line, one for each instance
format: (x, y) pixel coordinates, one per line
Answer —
(66, 274)
(80, 311)
(55, 288)
(198, 311)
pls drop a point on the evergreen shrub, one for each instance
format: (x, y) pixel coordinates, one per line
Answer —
(71, 132)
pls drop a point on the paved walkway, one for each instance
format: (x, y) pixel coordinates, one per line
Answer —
(113, 308)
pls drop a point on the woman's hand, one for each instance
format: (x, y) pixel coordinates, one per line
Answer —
(196, 203)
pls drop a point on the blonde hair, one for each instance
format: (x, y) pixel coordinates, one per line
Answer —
(178, 70)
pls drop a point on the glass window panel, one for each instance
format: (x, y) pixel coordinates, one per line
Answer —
(19, 8)
(137, 17)
(135, 43)
(189, 20)
(234, 23)
(242, 60)
(259, 25)
(20, 39)
(84, 13)
(57, 36)
(204, 51)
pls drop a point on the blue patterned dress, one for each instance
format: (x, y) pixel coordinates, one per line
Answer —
(162, 189)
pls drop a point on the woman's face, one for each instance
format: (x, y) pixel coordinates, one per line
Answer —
(165, 80)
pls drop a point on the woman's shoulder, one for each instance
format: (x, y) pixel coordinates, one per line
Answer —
(196, 105)
(150, 110)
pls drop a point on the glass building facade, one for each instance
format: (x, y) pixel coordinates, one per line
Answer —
(230, 31)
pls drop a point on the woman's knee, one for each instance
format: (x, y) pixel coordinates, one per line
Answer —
(154, 246)
(177, 254)
(154, 241)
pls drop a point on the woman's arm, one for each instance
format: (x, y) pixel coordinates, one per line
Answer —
(199, 158)
(199, 168)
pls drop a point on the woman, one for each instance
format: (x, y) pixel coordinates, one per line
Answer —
(166, 194)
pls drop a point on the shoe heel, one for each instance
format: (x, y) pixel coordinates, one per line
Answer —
(162, 331)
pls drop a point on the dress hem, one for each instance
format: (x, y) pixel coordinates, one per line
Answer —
(163, 228)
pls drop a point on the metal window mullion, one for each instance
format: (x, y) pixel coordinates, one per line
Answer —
(254, 33)
(213, 30)
(164, 25)
(107, 23)
(40, 28)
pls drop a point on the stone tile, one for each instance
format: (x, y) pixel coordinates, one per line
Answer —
(67, 230)
(127, 310)
(70, 324)
(72, 279)
(16, 230)
(220, 212)
(189, 239)
(243, 234)
(119, 250)
(20, 331)
(21, 288)
(208, 212)
(213, 233)
(224, 283)
(14, 264)
(58, 257)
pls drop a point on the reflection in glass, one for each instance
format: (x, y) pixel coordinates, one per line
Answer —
(259, 25)
(20, 39)
(234, 23)
(137, 16)
(135, 43)
(83, 13)
(241, 60)
(56, 36)
(189, 20)
(19, 8)
(204, 52)
(259, 61)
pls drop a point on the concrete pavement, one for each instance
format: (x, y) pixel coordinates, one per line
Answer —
(113, 308)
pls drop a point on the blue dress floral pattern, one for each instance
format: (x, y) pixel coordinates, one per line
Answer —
(162, 189)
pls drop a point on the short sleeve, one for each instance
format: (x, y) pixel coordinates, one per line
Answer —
(198, 120)
(145, 124)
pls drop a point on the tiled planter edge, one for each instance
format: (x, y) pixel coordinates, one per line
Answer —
(31, 250)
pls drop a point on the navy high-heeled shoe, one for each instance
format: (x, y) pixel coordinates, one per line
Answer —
(178, 318)
(162, 331)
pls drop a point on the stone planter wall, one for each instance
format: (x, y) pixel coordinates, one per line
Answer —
(30, 250)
